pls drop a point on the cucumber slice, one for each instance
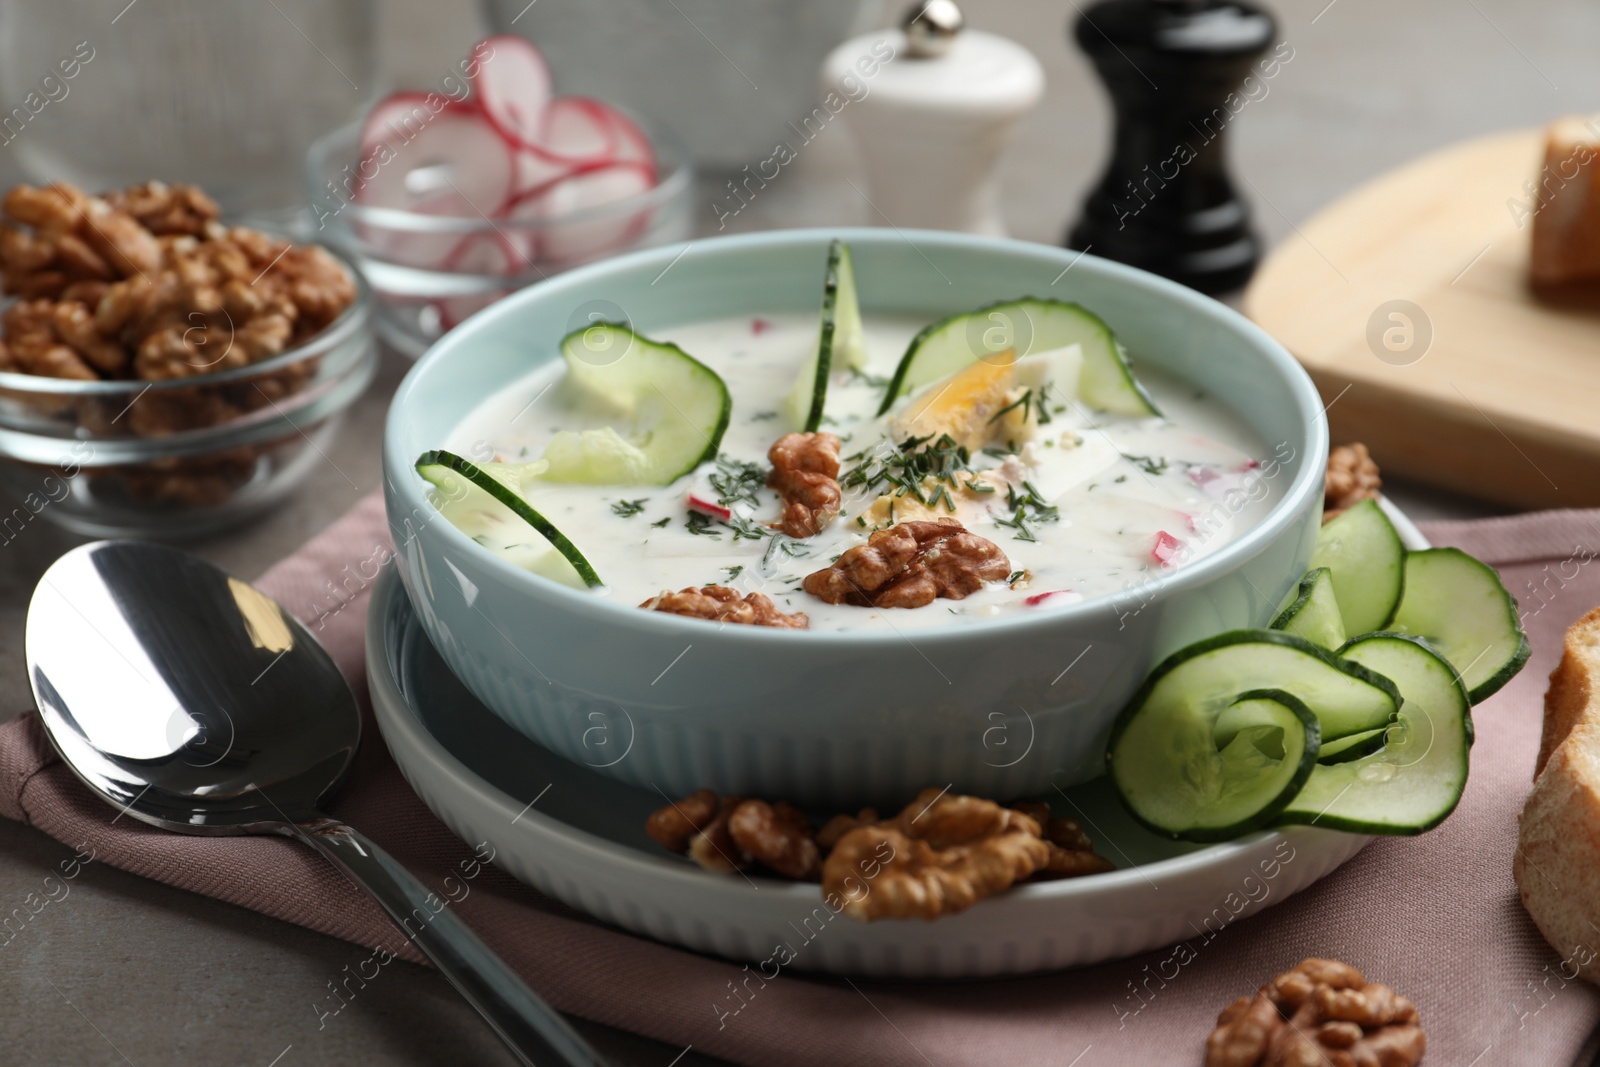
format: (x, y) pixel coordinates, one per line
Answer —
(1459, 605)
(1211, 774)
(677, 409)
(1353, 747)
(1364, 552)
(1313, 613)
(1417, 779)
(1165, 755)
(473, 496)
(842, 342)
(1106, 381)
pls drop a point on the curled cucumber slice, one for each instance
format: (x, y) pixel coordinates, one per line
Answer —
(1366, 559)
(1353, 747)
(1028, 326)
(482, 501)
(1313, 611)
(841, 343)
(1417, 778)
(1223, 733)
(674, 410)
(1458, 604)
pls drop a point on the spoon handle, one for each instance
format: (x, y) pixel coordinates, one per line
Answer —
(530, 1028)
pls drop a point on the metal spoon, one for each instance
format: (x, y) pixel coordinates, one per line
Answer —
(193, 702)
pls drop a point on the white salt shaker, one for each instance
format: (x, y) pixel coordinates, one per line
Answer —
(934, 119)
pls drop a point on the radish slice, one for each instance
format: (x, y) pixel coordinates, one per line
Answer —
(513, 86)
(582, 240)
(409, 247)
(536, 171)
(1058, 596)
(706, 507)
(578, 129)
(456, 164)
(399, 117)
(632, 146)
(484, 253)
(1166, 549)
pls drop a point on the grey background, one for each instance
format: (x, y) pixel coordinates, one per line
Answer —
(128, 971)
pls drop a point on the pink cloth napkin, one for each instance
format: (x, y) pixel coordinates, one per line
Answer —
(1435, 916)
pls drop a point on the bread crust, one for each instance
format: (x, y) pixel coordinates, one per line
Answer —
(1574, 687)
(1557, 862)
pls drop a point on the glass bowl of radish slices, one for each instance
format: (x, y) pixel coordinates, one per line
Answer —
(449, 199)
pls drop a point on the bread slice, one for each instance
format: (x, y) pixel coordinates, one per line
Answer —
(1557, 862)
(1574, 692)
(1566, 212)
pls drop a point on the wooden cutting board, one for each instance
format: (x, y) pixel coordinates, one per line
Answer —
(1504, 402)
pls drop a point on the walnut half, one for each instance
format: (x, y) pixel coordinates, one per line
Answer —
(719, 603)
(910, 565)
(943, 853)
(1323, 1012)
(939, 856)
(805, 472)
(1352, 478)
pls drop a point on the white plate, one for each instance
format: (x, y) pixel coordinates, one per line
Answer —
(579, 836)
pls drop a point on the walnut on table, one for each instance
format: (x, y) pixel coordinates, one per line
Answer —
(909, 565)
(719, 603)
(1352, 478)
(1323, 1012)
(805, 472)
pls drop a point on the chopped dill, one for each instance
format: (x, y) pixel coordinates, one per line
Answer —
(736, 481)
(1041, 408)
(787, 545)
(914, 461)
(1024, 402)
(662, 524)
(734, 571)
(763, 416)
(871, 379)
(1148, 464)
(700, 524)
(1027, 506)
(745, 528)
(629, 508)
(1119, 479)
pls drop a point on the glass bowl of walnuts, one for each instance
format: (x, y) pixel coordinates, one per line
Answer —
(162, 373)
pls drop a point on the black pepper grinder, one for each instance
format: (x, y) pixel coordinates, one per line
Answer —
(1176, 71)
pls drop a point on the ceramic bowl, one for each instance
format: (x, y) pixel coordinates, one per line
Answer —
(1006, 708)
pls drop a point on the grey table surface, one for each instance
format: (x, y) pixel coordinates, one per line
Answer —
(129, 971)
